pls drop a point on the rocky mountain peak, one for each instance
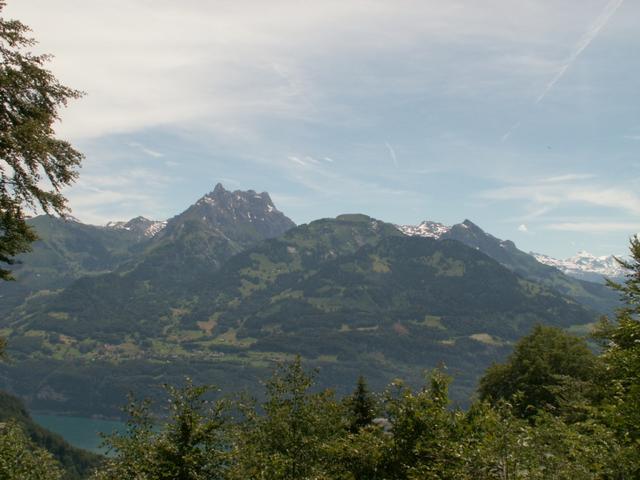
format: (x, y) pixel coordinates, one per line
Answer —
(240, 210)
(228, 198)
(468, 227)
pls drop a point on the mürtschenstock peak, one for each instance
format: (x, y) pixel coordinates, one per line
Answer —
(244, 216)
(217, 226)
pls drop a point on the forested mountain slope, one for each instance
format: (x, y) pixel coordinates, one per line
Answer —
(350, 294)
(77, 464)
(594, 295)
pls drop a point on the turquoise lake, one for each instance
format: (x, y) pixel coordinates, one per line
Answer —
(79, 431)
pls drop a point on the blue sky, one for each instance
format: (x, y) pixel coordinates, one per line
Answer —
(522, 116)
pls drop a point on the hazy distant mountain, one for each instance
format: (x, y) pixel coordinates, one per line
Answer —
(141, 226)
(596, 296)
(586, 266)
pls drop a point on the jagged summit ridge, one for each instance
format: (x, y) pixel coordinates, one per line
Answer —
(219, 208)
(231, 199)
(249, 214)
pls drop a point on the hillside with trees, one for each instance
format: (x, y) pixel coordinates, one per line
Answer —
(352, 295)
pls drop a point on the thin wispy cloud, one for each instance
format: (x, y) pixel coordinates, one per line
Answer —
(595, 227)
(545, 197)
(296, 160)
(509, 132)
(569, 177)
(612, 197)
(589, 36)
(99, 205)
(392, 154)
(308, 160)
(147, 151)
(324, 101)
(593, 31)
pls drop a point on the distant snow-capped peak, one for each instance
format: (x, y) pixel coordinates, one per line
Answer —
(140, 225)
(425, 229)
(584, 264)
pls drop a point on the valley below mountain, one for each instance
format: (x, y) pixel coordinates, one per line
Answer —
(230, 287)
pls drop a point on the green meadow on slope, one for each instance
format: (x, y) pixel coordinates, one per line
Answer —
(215, 298)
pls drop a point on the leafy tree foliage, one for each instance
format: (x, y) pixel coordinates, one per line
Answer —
(545, 369)
(30, 153)
(425, 437)
(288, 441)
(190, 445)
(20, 459)
(622, 359)
(298, 433)
(499, 444)
(76, 463)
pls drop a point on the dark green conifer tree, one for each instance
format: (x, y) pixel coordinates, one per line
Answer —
(361, 405)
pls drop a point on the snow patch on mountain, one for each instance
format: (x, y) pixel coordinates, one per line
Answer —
(154, 228)
(583, 266)
(140, 225)
(586, 266)
(427, 229)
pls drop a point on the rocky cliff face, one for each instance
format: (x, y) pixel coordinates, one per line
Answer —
(243, 216)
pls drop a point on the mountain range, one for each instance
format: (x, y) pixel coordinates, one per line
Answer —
(583, 265)
(586, 266)
(590, 293)
(226, 288)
